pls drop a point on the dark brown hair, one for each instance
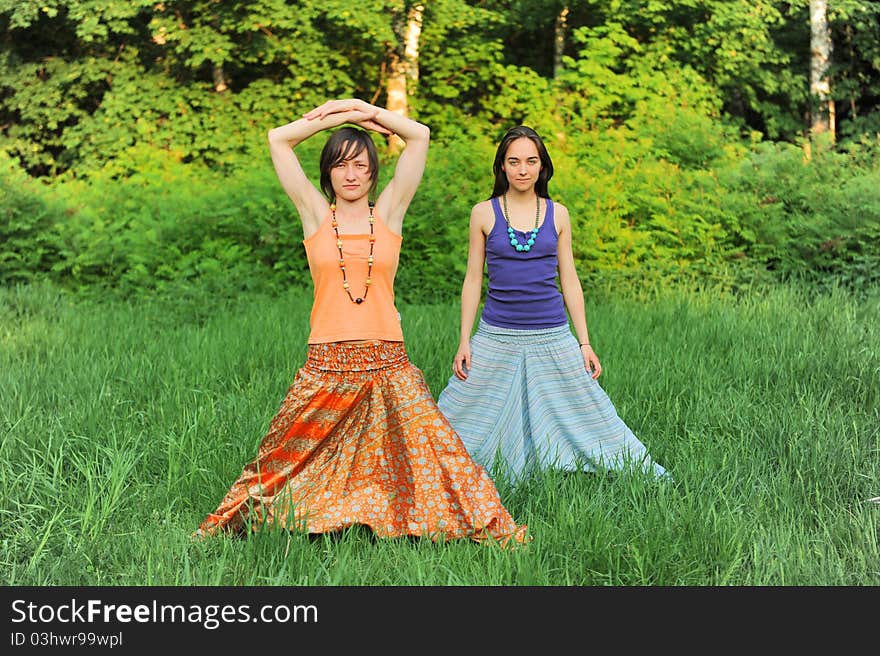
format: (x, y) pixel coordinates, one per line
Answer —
(344, 144)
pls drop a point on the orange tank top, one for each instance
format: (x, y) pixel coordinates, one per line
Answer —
(334, 317)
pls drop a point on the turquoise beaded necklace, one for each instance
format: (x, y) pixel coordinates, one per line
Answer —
(514, 240)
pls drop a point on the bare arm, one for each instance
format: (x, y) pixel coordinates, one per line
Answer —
(309, 201)
(400, 190)
(472, 287)
(572, 292)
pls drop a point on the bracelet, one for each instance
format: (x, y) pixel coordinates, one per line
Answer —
(585, 344)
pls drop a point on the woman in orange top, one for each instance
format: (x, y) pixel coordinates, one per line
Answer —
(358, 438)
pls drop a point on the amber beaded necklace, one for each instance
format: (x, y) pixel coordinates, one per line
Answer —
(369, 281)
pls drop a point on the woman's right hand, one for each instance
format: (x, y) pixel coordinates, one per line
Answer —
(462, 362)
(344, 105)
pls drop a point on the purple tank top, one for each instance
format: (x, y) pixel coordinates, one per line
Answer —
(522, 285)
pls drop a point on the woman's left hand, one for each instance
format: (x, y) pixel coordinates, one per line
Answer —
(591, 361)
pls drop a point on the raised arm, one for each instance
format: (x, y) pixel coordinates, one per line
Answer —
(309, 201)
(572, 292)
(395, 198)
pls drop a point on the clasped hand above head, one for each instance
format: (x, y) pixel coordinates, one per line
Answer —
(361, 113)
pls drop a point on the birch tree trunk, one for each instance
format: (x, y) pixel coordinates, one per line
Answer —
(221, 83)
(403, 66)
(822, 112)
(559, 39)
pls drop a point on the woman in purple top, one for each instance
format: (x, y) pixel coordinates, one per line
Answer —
(524, 394)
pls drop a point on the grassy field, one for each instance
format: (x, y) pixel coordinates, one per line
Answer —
(124, 424)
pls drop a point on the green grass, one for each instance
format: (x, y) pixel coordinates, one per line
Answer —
(122, 425)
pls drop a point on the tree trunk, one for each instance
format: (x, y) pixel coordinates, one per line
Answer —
(822, 114)
(559, 39)
(411, 44)
(221, 82)
(852, 58)
(403, 75)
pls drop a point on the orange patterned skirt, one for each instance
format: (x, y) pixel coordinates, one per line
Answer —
(359, 440)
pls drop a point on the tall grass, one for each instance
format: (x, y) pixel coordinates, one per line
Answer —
(123, 424)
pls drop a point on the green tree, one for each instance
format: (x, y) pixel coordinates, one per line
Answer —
(855, 69)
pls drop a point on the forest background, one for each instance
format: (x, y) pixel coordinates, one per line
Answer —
(705, 143)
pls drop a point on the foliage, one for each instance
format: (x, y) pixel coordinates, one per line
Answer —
(180, 227)
(82, 80)
(816, 219)
(148, 121)
(27, 223)
(649, 206)
(434, 252)
(855, 66)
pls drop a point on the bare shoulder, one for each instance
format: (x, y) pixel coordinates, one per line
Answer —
(561, 218)
(483, 208)
(560, 210)
(483, 216)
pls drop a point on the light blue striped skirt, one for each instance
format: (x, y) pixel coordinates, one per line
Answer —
(528, 403)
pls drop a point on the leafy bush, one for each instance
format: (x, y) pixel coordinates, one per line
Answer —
(27, 222)
(663, 200)
(816, 218)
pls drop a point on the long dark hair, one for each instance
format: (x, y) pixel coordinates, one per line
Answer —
(346, 143)
(501, 183)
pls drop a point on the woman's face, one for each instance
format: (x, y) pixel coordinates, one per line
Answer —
(351, 177)
(522, 164)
